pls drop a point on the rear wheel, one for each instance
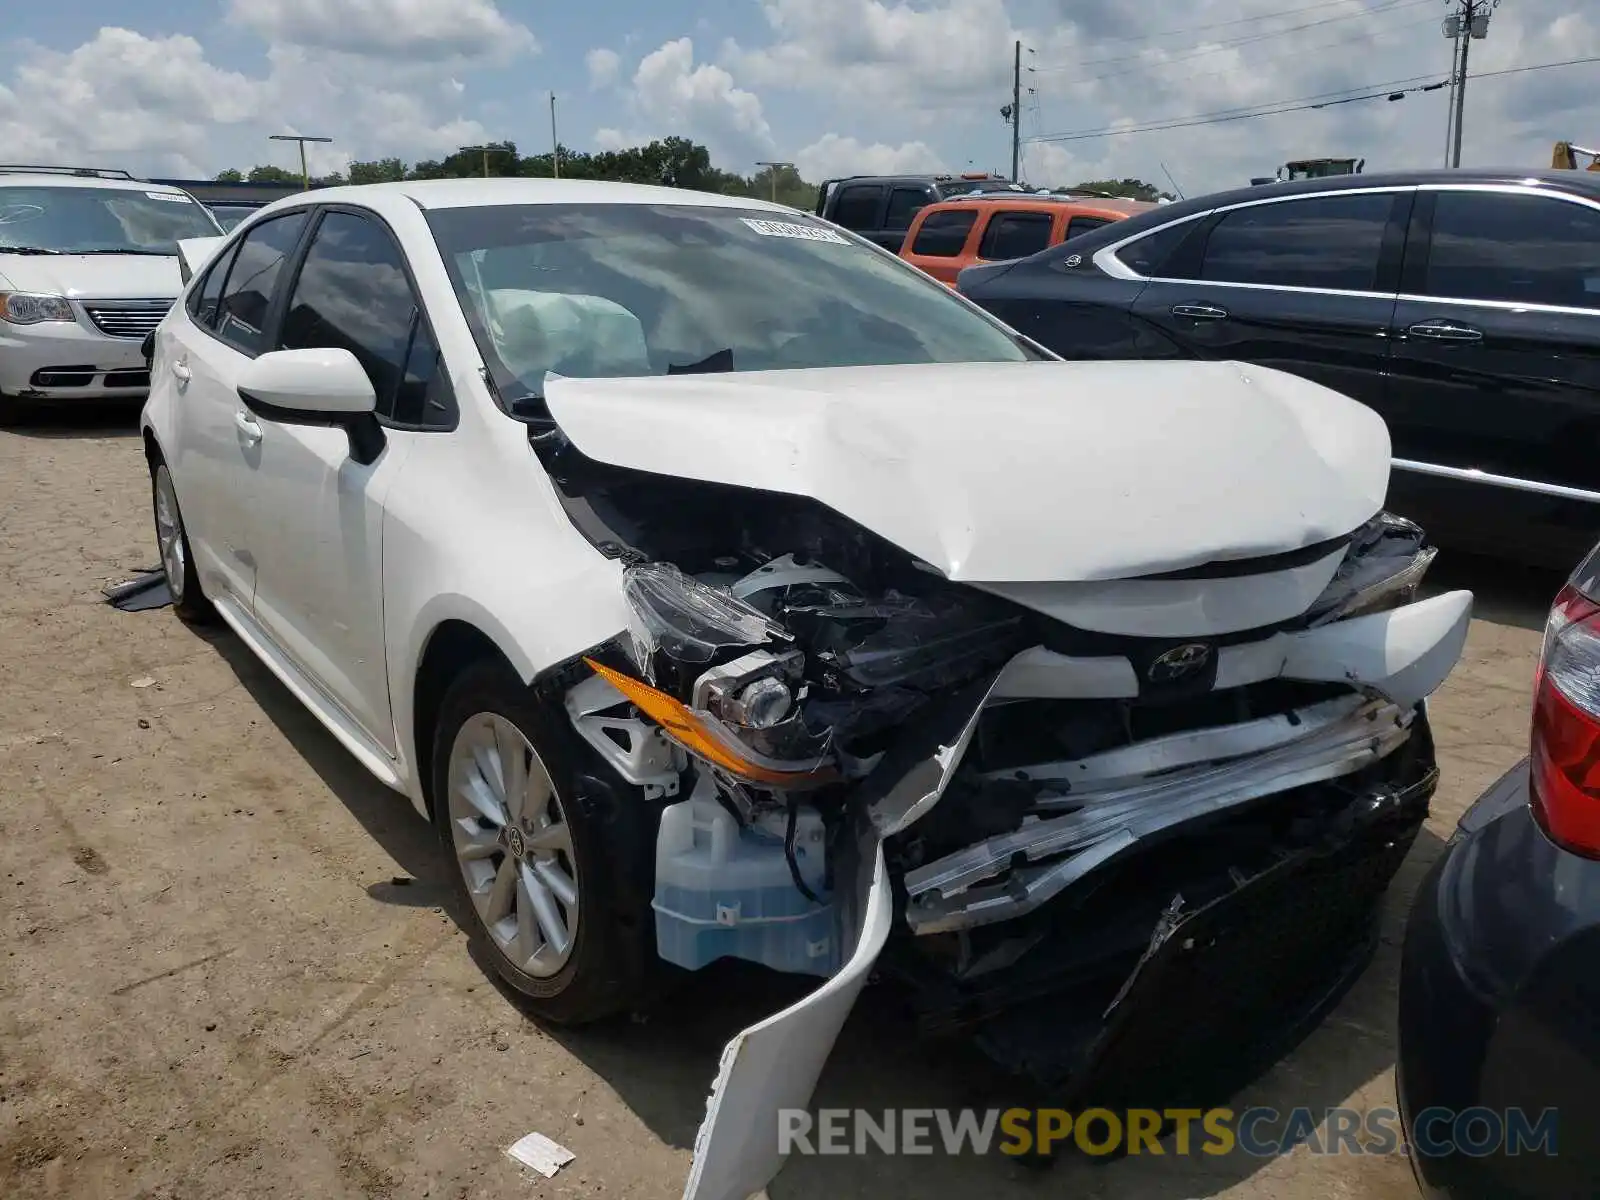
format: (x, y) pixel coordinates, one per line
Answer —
(544, 871)
(177, 562)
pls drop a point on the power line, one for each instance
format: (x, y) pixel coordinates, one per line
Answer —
(1150, 37)
(1571, 62)
(1375, 91)
(1241, 112)
(1248, 39)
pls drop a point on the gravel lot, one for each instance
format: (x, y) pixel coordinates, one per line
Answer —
(215, 987)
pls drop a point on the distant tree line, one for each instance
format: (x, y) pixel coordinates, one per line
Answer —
(670, 162)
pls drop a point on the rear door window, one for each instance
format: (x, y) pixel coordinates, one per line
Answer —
(858, 206)
(904, 203)
(204, 300)
(943, 234)
(1015, 235)
(1332, 242)
(1526, 249)
(253, 280)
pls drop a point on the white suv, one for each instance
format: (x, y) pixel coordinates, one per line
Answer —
(88, 267)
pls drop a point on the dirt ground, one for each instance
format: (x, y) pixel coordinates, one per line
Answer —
(228, 972)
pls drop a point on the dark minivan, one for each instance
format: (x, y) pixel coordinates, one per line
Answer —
(1462, 305)
(880, 207)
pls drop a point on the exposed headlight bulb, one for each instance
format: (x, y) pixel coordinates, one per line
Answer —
(762, 704)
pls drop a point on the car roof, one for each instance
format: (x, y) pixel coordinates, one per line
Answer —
(1049, 202)
(1576, 182)
(54, 179)
(1572, 181)
(940, 179)
(430, 194)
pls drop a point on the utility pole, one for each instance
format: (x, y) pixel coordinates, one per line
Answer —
(1016, 111)
(772, 175)
(1468, 23)
(484, 150)
(1450, 104)
(555, 142)
(305, 173)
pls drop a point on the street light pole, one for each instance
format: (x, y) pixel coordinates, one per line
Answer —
(772, 176)
(305, 173)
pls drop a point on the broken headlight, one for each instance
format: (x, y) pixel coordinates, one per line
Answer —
(724, 680)
(1385, 564)
(688, 621)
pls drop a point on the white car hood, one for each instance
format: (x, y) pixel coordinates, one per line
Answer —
(92, 276)
(1016, 472)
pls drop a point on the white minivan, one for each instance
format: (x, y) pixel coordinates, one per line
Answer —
(88, 267)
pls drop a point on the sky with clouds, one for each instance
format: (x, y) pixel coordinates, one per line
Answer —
(838, 86)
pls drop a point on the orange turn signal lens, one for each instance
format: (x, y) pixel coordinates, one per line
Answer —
(682, 725)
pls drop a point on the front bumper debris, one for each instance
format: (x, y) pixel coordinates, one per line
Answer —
(1113, 816)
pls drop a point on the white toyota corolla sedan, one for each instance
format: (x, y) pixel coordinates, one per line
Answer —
(723, 587)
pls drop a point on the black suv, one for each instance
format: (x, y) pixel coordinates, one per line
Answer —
(1462, 305)
(880, 207)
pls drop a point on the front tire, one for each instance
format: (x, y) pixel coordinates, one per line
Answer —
(172, 540)
(543, 867)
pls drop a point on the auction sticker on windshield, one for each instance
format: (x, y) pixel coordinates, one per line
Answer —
(789, 229)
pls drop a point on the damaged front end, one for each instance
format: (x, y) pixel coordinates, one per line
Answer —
(1122, 836)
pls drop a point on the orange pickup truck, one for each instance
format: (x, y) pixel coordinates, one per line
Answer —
(966, 230)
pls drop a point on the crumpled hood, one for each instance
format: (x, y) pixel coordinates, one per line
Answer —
(93, 276)
(1016, 472)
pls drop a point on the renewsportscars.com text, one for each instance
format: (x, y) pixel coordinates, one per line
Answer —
(1260, 1132)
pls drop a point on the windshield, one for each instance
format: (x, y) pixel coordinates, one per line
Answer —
(99, 220)
(660, 289)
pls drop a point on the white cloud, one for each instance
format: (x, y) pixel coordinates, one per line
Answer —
(913, 58)
(603, 65)
(426, 29)
(833, 155)
(159, 106)
(123, 96)
(673, 94)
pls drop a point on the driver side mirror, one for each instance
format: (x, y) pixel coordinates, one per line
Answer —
(325, 387)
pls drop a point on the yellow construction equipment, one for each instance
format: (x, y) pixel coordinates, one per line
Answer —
(1566, 155)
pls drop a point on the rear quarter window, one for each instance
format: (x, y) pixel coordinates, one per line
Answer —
(1149, 254)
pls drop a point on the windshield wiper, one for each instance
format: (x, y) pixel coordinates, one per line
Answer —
(27, 250)
(157, 253)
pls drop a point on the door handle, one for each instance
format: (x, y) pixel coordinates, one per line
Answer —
(180, 368)
(1445, 331)
(1200, 312)
(249, 431)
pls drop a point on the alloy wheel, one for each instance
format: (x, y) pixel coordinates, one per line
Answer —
(513, 844)
(169, 533)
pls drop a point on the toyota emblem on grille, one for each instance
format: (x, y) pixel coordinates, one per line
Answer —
(1180, 663)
